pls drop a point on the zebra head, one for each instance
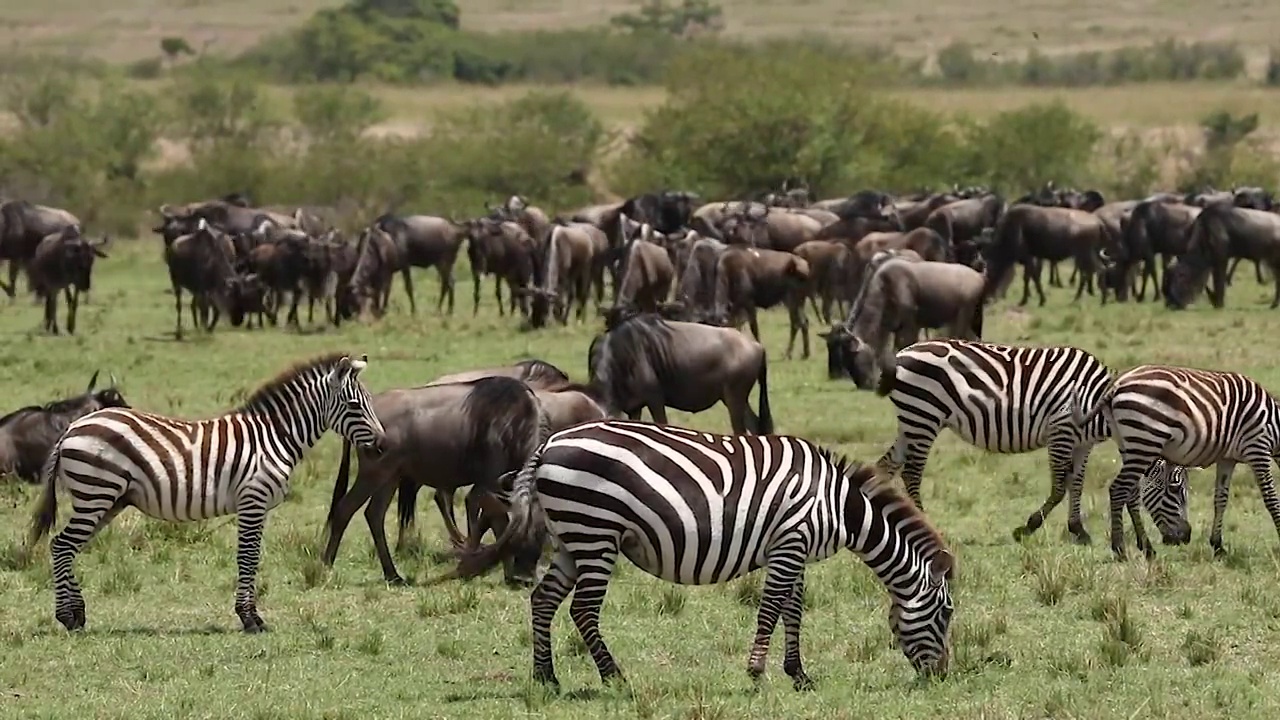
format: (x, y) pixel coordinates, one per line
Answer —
(1164, 495)
(922, 623)
(350, 407)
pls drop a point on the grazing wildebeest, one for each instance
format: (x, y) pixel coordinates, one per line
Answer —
(502, 249)
(749, 279)
(646, 362)
(902, 297)
(247, 296)
(1154, 227)
(281, 263)
(647, 274)
(445, 436)
(64, 262)
(1219, 233)
(29, 433)
(835, 337)
(23, 226)
(202, 263)
(568, 271)
(425, 241)
(925, 242)
(378, 259)
(517, 209)
(828, 274)
(1030, 233)
(695, 295)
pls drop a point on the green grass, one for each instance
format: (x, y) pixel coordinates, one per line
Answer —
(1042, 630)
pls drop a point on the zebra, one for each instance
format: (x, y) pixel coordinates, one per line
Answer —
(180, 470)
(1012, 399)
(698, 508)
(1194, 417)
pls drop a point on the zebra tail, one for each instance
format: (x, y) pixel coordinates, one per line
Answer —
(46, 512)
(523, 521)
(764, 423)
(1079, 417)
(340, 482)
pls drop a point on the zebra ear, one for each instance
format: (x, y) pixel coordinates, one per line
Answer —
(941, 566)
(359, 365)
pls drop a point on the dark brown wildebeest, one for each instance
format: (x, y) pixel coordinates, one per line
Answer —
(1028, 233)
(247, 296)
(517, 209)
(378, 259)
(1154, 227)
(923, 241)
(445, 436)
(23, 226)
(750, 279)
(64, 261)
(647, 274)
(320, 275)
(29, 433)
(568, 272)
(426, 241)
(708, 220)
(646, 362)
(902, 298)
(696, 290)
(769, 230)
(835, 362)
(1219, 233)
(502, 249)
(229, 217)
(960, 222)
(915, 213)
(280, 262)
(201, 263)
(828, 275)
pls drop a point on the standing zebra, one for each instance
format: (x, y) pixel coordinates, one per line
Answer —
(1194, 417)
(180, 470)
(695, 508)
(1009, 399)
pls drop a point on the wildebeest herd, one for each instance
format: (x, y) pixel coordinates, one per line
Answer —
(554, 465)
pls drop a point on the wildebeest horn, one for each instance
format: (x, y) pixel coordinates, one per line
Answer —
(166, 211)
(297, 215)
(93, 381)
(114, 382)
(202, 225)
(262, 227)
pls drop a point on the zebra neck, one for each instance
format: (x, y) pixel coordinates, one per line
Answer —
(889, 541)
(289, 418)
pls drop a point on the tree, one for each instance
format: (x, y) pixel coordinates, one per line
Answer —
(682, 19)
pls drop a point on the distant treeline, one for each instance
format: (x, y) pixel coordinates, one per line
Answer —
(421, 41)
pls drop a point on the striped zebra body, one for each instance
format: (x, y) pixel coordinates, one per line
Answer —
(1195, 418)
(179, 470)
(698, 508)
(1010, 399)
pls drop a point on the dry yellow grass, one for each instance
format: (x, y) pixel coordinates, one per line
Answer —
(131, 29)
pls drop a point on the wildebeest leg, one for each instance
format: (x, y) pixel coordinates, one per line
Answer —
(375, 515)
(295, 299)
(370, 477)
(446, 286)
(754, 323)
(475, 294)
(1275, 276)
(1055, 280)
(51, 311)
(177, 311)
(444, 501)
(1030, 272)
(497, 293)
(72, 296)
(12, 287)
(407, 275)
(799, 324)
(658, 410)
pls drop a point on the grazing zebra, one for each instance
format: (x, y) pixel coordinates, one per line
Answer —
(1009, 399)
(1193, 417)
(180, 470)
(696, 508)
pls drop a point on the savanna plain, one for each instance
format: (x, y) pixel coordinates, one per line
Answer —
(1043, 629)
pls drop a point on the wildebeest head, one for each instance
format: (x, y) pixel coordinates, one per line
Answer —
(747, 225)
(76, 256)
(847, 355)
(244, 294)
(1181, 281)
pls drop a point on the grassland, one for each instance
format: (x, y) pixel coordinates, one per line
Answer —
(1042, 630)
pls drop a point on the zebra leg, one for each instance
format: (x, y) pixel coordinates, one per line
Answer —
(1124, 491)
(249, 522)
(1262, 473)
(780, 586)
(1063, 469)
(1221, 492)
(594, 570)
(547, 596)
(791, 614)
(87, 518)
(910, 455)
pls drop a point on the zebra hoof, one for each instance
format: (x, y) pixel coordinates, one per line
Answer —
(1081, 538)
(396, 581)
(802, 682)
(1020, 533)
(252, 623)
(72, 620)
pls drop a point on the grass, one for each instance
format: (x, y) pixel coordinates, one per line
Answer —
(1039, 628)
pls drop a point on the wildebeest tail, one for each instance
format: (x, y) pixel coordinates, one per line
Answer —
(504, 416)
(764, 425)
(524, 519)
(46, 512)
(406, 502)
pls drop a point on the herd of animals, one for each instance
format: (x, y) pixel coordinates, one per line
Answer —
(567, 467)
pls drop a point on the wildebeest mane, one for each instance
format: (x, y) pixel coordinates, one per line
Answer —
(613, 355)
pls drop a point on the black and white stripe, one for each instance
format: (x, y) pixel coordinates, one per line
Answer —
(178, 470)
(1195, 418)
(1010, 399)
(698, 508)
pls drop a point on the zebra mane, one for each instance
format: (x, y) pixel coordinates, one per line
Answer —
(269, 388)
(884, 493)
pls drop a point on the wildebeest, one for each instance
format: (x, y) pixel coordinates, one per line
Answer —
(1219, 233)
(1154, 227)
(23, 226)
(29, 433)
(247, 296)
(769, 229)
(445, 436)
(828, 274)
(903, 297)
(506, 251)
(749, 279)
(647, 274)
(425, 241)
(1031, 233)
(960, 222)
(568, 272)
(201, 263)
(64, 262)
(646, 362)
